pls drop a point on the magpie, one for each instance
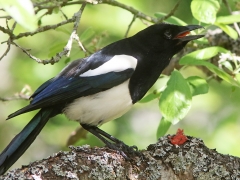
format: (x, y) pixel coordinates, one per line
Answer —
(102, 86)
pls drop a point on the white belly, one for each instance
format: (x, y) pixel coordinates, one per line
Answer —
(101, 107)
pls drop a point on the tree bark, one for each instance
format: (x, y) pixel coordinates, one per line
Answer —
(163, 161)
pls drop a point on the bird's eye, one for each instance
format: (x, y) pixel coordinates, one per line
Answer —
(168, 34)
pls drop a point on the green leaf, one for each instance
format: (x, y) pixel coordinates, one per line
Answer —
(88, 33)
(21, 11)
(171, 19)
(175, 100)
(205, 54)
(149, 97)
(201, 41)
(205, 10)
(189, 59)
(230, 19)
(163, 127)
(228, 30)
(197, 85)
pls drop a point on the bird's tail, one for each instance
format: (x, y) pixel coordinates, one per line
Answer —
(24, 139)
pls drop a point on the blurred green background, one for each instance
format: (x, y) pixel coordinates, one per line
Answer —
(214, 117)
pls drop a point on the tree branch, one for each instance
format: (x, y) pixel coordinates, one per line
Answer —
(170, 13)
(130, 25)
(192, 160)
(16, 97)
(7, 50)
(49, 6)
(66, 51)
(23, 95)
(130, 9)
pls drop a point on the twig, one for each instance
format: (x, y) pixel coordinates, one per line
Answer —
(76, 24)
(9, 40)
(129, 26)
(113, 3)
(19, 97)
(110, 2)
(50, 6)
(130, 9)
(170, 13)
(33, 57)
(66, 51)
(14, 25)
(64, 15)
(7, 50)
(230, 11)
(74, 35)
(6, 31)
(44, 28)
(40, 3)
(41, 29)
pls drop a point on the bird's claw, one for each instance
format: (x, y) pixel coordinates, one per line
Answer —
(125, 150)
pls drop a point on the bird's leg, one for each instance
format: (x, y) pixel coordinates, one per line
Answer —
(117, 145)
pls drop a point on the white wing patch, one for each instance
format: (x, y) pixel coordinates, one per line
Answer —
(118, 63)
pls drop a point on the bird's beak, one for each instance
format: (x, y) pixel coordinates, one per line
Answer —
(183, 35)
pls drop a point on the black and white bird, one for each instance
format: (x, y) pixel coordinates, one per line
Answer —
(101, 87)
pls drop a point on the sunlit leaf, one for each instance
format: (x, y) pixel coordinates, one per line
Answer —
(205, 10)
(228, 30)
(175, 100)
(197, 85)
(230, 19)
(192, 60)
(206, 53)
(21, 11)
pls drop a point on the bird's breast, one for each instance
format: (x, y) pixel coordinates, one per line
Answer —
(99, 108)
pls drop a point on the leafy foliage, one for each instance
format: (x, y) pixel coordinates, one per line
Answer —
(21, 12)
(197, 58)
(175, 100)
(205, 10)
(197, 85)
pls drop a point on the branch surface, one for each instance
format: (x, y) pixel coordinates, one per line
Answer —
(163, 161)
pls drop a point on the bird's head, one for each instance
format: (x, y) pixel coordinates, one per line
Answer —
(168, 37)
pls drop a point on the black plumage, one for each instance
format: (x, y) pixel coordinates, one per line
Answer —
(108, 82)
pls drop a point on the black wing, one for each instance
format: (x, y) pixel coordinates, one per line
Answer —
(64, 90)
(68, 85)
